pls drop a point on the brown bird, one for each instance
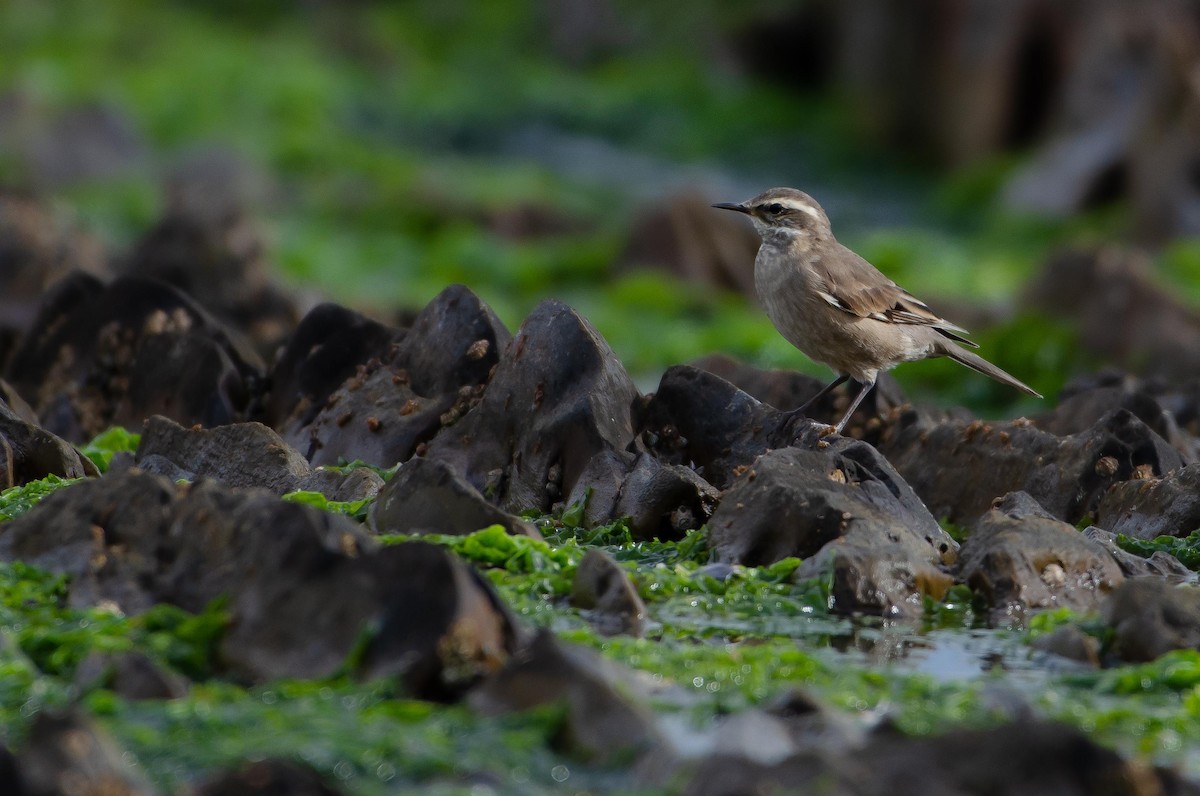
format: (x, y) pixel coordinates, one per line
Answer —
(838, 308)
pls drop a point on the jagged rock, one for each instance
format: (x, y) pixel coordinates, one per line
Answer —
(28, 453)
(243, 455)
(328, 346)
(704, 422)
(302, 586)
(659, 501)
(99, 356)
(425, 381)
(788, 389)
(1019, 559)
(844, 509)
(600, 723)
(958, 468)
(426, 496)
(38, 247)
(66, 753)
(1150, 617)
(1160, 564)
(607, 597)
(267, 778)
(1083, 403)
(218, 259)
(1148, 507)
(558, 397)
(131, 675)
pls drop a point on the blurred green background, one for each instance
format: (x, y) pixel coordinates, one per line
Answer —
(385, 150)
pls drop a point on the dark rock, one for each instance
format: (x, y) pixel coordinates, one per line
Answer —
(659, 501)
(1071, 643)
(789, 389)
(1023, 757)
(133, 539)
(559, 396)
(28, 453)
(67, 753)
(219, 260)
(430, 377)
(844, 509)
(131, 675)
(327, 347)
(701, 421)
(244, 455)
(1019, 559)
(16, 404)
(427, 496)
(958, 468)
(1148, 507)
(1160, 564)
(1150, 617)
(98, 356)
(607, 597)
(599, 723)
(267, 778)
(37, 248)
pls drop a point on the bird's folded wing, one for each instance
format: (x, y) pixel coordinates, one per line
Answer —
(857, 287)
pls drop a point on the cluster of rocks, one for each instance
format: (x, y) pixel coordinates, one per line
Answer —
(486, 424)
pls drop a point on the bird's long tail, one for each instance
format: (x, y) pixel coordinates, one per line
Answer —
(978, 363)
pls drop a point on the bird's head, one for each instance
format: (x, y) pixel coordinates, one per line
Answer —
(784, 212)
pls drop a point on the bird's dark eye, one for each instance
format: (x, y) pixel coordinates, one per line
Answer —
(775, 208)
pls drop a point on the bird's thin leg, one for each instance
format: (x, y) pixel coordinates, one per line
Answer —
(858, 399)
(800, 410)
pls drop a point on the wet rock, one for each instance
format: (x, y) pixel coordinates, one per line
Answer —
(98, 356)
(1160, 564)
(701, 421)
(28, 453)
(958, 468)
(607, 597)
(328, 346)
(131, 675)
(845, 510)
(558, 397)
(427, 496)
(1129, 319)
(600, 724)
(659, 501)
(1148, 507)
(267, 778)
(431, 376)
(246, 455)
(67, 753)
(132, 539)
(1150, 617)
(788, 389)
(1019, 559)
(1071, 643)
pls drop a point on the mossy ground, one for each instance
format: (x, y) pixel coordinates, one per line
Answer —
(712, 648)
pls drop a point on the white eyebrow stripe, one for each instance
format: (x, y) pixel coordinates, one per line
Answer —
(803, 207)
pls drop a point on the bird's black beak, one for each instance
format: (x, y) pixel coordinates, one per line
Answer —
(732, 206)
